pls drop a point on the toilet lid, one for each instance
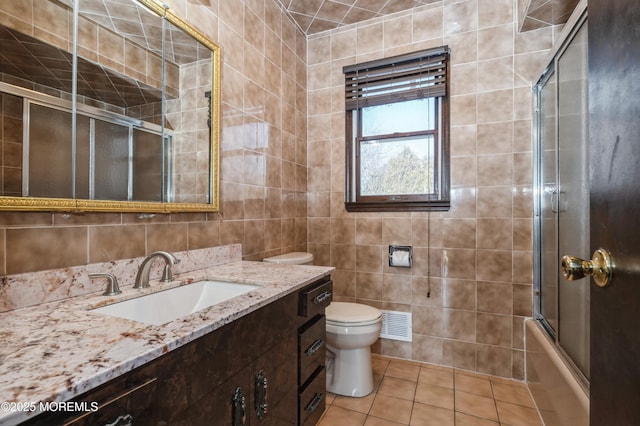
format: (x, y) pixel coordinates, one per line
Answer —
(292, 258)
(346, 312)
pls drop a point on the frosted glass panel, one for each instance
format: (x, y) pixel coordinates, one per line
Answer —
(563, 191)
(573, 211)
(147, 167)
(50, 153)
(111, 169)
(83, 143)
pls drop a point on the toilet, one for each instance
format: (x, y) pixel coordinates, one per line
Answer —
(351, 330)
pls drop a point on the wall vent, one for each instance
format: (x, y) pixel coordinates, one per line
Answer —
(396, 326)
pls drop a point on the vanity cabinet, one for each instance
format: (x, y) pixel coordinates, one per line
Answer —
(192, 376)
(248, 372)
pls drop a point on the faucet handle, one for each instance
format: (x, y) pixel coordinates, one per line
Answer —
(112, 283)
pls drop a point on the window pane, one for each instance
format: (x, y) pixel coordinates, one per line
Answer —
(410, 116)
(397, 166)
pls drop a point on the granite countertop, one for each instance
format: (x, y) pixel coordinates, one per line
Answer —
(56, 351)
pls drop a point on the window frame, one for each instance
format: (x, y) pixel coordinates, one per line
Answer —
(439, 201)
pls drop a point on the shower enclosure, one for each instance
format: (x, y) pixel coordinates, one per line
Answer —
(115, 157)
(561, 202)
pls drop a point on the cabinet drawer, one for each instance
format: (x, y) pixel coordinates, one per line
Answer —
(311, 348)
(312, 399)
(134, 406)
(315, 298)
(130, 398)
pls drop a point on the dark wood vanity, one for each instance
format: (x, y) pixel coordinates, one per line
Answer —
(265, 368)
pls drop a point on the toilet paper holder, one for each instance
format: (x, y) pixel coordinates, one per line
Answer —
(401, 256)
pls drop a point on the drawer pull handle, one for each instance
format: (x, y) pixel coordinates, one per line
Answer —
(261, 395)
(315, 347)
(126, 420)
(239, 405)
(314, 403)
(322, 297)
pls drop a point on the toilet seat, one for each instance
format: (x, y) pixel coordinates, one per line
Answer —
(352, 314)
(354, 324)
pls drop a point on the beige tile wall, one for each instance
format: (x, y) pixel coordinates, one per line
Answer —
(474, 261)
(263, 175)
(187, 116)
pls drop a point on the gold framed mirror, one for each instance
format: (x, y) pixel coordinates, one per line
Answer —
(122, 115)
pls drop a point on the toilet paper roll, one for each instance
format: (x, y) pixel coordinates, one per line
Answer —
(400, 258)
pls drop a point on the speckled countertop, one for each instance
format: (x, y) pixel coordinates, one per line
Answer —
(56, 351)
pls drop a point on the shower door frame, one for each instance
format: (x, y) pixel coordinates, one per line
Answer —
(575, 24)
(538, 187)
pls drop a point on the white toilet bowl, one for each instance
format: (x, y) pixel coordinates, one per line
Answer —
(351, 330)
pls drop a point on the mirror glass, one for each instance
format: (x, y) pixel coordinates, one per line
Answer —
(129, 123)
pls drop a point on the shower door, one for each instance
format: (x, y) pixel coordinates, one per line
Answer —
(562, 198)
(114, 157)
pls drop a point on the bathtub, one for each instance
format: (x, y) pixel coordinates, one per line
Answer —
(560, 397)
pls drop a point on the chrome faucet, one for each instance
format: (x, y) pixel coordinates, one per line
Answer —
(142, 278)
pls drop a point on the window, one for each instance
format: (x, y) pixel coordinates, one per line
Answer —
(397, 133)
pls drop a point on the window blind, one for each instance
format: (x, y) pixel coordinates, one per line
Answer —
(401, 78)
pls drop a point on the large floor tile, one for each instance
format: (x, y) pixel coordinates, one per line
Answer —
(419, 394)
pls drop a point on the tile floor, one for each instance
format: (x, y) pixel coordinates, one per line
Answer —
(412, 393)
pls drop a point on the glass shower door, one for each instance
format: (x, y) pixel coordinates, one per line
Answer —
(562, 204)
(573, 200)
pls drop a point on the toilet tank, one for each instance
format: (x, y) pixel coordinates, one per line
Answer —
(293, 258)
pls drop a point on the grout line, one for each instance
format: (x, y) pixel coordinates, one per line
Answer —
(495, 404)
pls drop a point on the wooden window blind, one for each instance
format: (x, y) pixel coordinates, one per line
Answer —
(401, 78)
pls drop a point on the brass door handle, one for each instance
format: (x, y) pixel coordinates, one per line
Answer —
(600, 267)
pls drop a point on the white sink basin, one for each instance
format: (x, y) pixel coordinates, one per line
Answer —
(167, 305)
